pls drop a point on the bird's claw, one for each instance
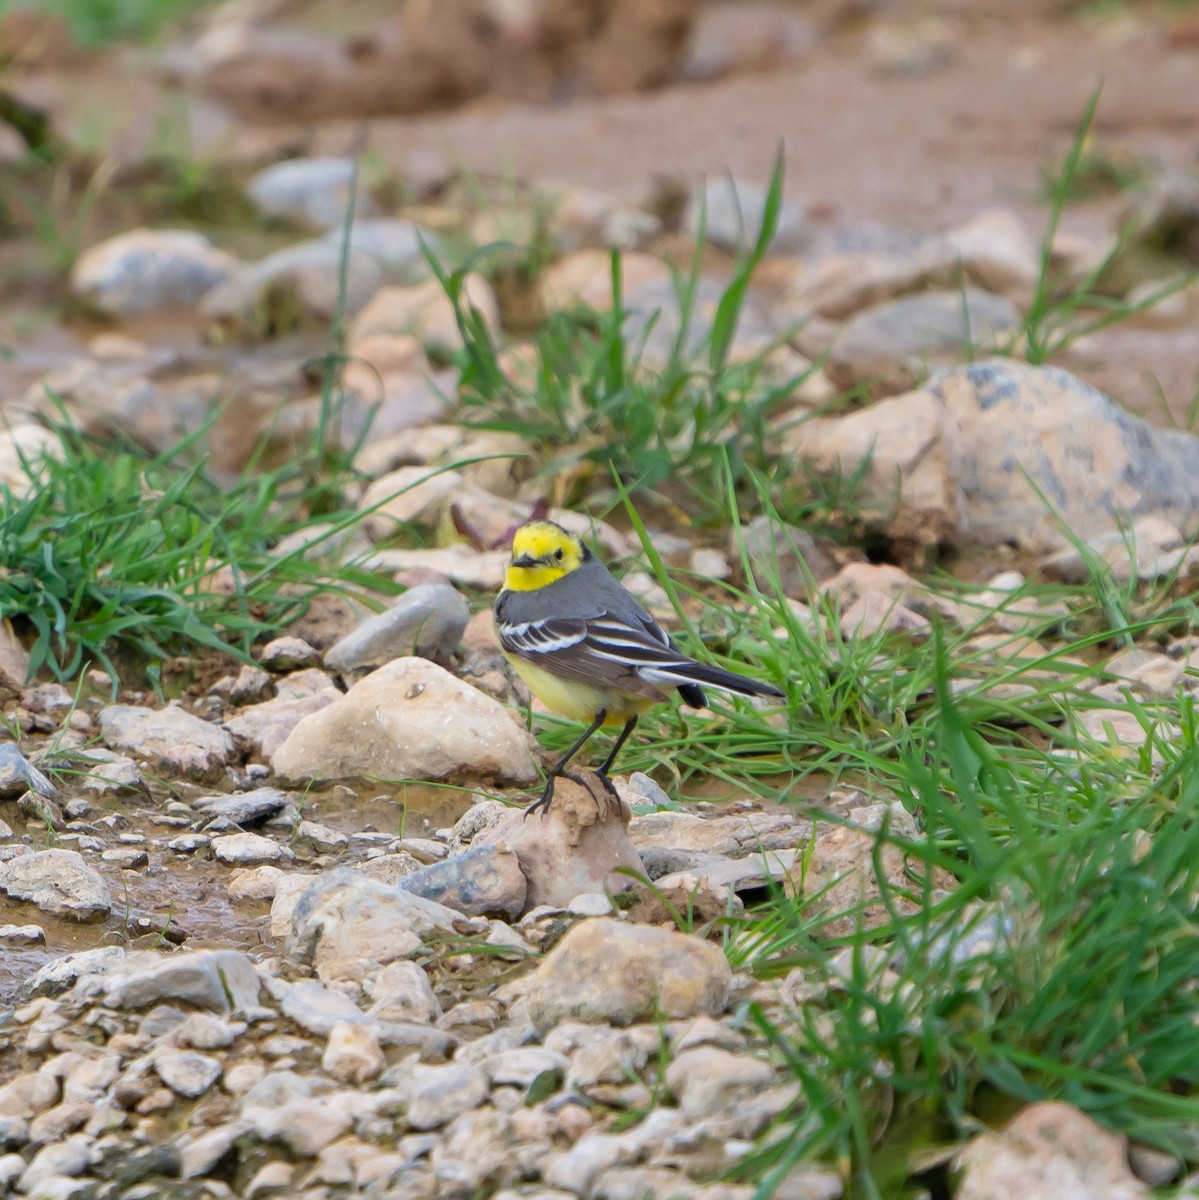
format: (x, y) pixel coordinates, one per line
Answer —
(543, 805)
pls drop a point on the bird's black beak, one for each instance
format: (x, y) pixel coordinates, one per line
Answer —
(525, 560)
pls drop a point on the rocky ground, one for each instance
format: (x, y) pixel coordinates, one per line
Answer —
(277, 925)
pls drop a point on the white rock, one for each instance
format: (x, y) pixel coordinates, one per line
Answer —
(437, 1095)
(348, 925)
(91, 1078)
(949, 462)
(590, 904)
(1048, 1151)
(145, 270)
(60, 973)
(18, 775)
(28, 1094)
(71, 1157)
(21, 935)
(608, 971)
(711, 564)
(408, 720)
(319, 1009)
(125, 858)
(289, 653)
(352, 1053)
(213, 979)
(519, 1066)
(708, 1081)
(249, 849)
(185, 1072)
(174, 741)
(58, 882)
(426, 621)
(288, 891)
(265, 727)
(114, 775)
(304, 1126)
(315, 191)
(308, 272)
(12, 1167)
(401, 992)
(200, 1154)
(585, 1163)
(574, 848)
(204, 1031)
(599, 1055)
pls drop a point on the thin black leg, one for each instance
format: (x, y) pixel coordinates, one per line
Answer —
(559, 768)
(606, 765)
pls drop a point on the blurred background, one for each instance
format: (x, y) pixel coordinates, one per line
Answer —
(482, 120)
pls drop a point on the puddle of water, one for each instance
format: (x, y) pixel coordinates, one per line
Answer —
(185, 898)
(172, 899)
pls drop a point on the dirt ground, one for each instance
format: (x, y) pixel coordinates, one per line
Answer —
(981, 96)
(919, 151)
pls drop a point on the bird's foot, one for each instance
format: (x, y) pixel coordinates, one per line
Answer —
(610, 788)
(547, 796)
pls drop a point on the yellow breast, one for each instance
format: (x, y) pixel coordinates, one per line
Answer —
(578, 701)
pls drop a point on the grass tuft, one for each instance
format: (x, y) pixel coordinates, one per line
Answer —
(597, 403)
(111, 551)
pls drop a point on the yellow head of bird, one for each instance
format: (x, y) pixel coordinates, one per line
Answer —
(542, 553)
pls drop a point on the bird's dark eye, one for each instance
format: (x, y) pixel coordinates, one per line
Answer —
(558, 554)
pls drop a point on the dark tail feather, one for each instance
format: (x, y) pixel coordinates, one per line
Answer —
(695, 674)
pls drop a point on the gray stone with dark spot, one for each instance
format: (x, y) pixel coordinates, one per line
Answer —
(483, 881)
(1001, 452)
